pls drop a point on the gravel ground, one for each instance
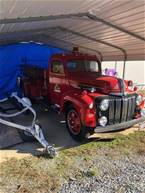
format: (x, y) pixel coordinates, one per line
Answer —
(123, 175)
(108, 166)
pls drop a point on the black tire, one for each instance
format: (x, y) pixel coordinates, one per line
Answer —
(81, 135)
(26, 136)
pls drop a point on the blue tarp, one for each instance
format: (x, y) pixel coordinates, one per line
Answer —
(14, 55)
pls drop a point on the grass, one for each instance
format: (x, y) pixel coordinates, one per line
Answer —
(41, 174)
(142, 91)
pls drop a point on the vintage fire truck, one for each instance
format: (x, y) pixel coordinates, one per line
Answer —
(91, 102)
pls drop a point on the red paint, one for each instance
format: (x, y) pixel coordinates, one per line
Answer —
(66, 87)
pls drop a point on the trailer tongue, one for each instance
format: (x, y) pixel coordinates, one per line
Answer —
(34, 129)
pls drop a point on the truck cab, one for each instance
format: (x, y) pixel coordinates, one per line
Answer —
(91, 102)
(67, 72)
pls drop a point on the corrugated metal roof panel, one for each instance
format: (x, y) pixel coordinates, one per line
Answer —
(127, 15)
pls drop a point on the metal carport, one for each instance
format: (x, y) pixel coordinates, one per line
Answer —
(113, 29)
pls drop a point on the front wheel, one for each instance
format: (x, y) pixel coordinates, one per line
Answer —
(73, 122)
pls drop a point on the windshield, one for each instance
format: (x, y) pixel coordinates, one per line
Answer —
(83, 66)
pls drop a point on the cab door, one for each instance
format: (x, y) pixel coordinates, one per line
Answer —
(57, 80)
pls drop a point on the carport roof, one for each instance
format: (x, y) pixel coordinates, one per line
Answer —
(109, 28)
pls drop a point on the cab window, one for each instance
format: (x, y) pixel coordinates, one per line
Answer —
(83, 66)
(57, 67)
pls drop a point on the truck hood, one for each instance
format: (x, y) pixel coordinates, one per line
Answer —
(103, 84)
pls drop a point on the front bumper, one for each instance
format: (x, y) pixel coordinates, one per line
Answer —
(119, 126)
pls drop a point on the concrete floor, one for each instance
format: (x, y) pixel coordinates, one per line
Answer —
(54, 130)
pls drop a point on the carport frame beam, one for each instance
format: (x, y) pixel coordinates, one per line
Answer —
(93, 17)
(102, 42)
(83, 47)
(94, 39)
(89, 15)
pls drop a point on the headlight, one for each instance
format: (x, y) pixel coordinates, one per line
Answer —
(139, 100)
(104, 105)
(103, 121)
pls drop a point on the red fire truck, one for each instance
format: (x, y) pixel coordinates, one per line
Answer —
(91, 102)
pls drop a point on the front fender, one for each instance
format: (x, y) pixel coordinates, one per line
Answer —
(81, 102)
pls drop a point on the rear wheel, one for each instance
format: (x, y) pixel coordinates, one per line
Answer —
(74, 125)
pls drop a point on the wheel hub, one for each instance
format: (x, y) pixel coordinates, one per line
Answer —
(74, 122)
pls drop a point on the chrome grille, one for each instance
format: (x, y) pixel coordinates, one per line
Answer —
(121, 109)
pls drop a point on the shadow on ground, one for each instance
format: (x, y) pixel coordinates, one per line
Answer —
(54, 130)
